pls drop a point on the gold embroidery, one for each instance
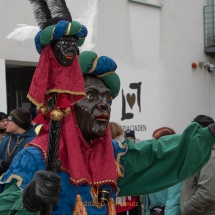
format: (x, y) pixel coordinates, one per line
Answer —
(68, 28)
(65, 91)
(68, 92)
(13, 176)
(34, 102)
(92, 183)
(65, 170)
(108, 73)
(118, 162)
(57, 91)
(117, 191)
(94, 65)
(118, 171)
(81, 180)
(120, 155)
(38, 146)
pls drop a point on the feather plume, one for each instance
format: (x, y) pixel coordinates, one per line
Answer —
(88, 19)
(23, 32)
(41, 12)
(58, 9)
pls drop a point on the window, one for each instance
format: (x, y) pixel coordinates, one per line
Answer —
(209, 25)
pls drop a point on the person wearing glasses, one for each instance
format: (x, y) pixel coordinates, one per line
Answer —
(18, 125)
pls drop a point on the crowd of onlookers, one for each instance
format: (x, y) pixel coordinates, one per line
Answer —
(195, 196)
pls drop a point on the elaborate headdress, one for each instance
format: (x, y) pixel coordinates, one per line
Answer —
(54, 21)
(103, 67)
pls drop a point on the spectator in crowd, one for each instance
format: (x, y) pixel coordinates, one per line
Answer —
(3, 125)
(198, 192)
(21, 132)
(116, 131)
(129, 134)
(166, 201)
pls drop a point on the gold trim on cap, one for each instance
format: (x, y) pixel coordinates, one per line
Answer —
(94, 64)
(107, 73)
(52, 33)
(17, 117)
(68, 28)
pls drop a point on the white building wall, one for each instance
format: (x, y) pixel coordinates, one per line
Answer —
(185, 92)
(131, 36)
(161, 44)
(151, 45)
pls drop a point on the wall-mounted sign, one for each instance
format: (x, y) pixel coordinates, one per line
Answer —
(136, 107)
(131, 100)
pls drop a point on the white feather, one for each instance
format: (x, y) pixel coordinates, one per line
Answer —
(88, 19)
(23, 32)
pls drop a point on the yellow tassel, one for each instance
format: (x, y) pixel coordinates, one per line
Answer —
(79, 208)
(111, 207)
(118, 171)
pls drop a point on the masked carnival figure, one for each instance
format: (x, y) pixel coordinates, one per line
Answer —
(73, 166)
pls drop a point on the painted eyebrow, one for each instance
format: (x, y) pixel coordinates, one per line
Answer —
(92, 87)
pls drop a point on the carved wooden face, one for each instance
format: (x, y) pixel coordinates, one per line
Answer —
(65, 49)
(93, 112)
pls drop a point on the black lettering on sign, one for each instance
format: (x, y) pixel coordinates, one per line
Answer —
(134, 127)
(131, 99)
(138, 87)
(124, 114)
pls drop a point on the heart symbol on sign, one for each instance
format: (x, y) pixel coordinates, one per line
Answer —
(131, 99)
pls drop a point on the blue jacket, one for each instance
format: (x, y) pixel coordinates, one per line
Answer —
(27, 137)
(30, 160)
(170, 198)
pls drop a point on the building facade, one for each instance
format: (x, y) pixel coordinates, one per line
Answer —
(154, 44)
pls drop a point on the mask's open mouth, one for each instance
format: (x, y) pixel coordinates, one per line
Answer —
(69, 56)
(102, 117)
